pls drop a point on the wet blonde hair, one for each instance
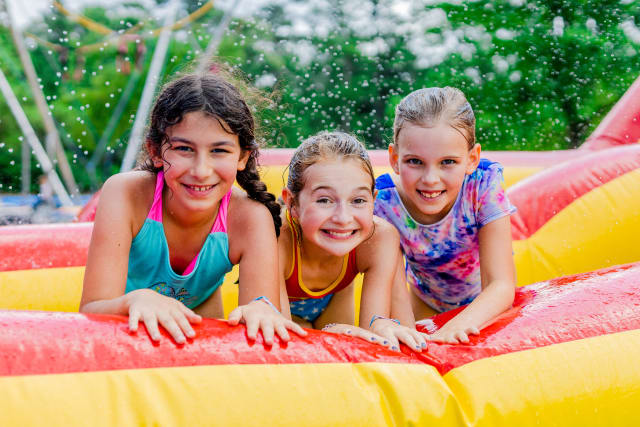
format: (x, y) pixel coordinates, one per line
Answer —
(325, 146)
(431, 106)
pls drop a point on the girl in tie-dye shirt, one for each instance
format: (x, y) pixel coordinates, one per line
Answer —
(451, 212)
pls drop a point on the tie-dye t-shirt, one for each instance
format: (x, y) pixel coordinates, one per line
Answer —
(442, 259)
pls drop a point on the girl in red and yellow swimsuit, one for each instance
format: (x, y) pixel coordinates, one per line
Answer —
(330, 235)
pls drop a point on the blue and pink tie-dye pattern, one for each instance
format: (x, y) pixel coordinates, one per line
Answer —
(442, 259)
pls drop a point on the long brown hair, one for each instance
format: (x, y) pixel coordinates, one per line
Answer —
(213, 94)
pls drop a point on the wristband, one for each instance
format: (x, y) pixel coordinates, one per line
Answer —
(376, 317)
(266, 300)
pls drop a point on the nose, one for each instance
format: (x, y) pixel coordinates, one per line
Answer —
(341, 214)
(430, 176)
(202, 167)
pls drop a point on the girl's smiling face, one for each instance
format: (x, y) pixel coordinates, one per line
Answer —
(432, 163)
(200, 162)
(335, 206)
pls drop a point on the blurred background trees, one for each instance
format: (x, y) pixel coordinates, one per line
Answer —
(539, 74)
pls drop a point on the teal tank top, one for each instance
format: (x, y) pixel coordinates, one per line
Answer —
(149, 265)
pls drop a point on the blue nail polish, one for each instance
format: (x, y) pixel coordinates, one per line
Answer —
(424, 345)
(385, 342)
(373, 338)
(394, 348)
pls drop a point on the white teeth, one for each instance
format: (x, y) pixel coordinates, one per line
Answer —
(431, 194)
(339, 234)
(200, 188)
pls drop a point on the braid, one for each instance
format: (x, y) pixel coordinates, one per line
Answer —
(249, 180)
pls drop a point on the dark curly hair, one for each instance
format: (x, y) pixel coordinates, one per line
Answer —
(213, 94)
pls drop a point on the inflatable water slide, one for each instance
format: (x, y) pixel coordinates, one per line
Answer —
(565, 354)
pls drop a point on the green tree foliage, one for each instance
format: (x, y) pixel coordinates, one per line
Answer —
(539, 74)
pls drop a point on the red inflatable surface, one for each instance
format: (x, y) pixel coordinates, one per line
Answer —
(561, 310)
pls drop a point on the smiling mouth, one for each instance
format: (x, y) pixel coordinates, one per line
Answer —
(199, 188)
(339, 234)
(430, 194)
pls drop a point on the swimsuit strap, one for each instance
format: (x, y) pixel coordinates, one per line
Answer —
(155, 213)
(294, 278)
(220, 224)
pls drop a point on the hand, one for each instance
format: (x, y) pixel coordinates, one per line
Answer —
(453, 334)
(354, 331)
(151, 307)
(259, 315)
(395, 332)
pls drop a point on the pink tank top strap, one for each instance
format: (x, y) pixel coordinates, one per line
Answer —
(155, 213)
(220, 224)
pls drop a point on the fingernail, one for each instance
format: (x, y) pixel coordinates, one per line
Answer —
(395, 348)
(423, 345)
(372, 338)
(385, 342)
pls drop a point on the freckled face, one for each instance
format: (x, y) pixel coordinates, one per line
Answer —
(432, 163)
(335, 207)
(200, 162)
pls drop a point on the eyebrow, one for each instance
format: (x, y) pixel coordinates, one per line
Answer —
(187, 141)
(326, 187)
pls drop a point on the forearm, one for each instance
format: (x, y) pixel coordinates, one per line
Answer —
(492, 301)
(118, 305)
(401, 305)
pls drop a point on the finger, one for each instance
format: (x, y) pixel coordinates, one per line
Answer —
(191, 316)
(235, 316)
(419, 338)
(282, 332)
(462, 337)
(408, 339)
(151, 323)
(134, 320)
(370, 336)
(267, 331)
(393, 342)
(473, 331)
(252, 328)
(183, 322)
(172, 327)
(293, 326)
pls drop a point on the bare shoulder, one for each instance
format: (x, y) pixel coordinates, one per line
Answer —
(128, 193)
(384, 231)
(383, 244)
(243, 210)
(245, 215)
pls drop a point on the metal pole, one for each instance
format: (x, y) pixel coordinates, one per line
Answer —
(26, 167)
(54, 147)
(216, 37)
(32, 139)
(135, 140)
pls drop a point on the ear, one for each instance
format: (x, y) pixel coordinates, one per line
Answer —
(393, 158)
(474, 158)
(156, 157)
(289, 201)
(244, 158)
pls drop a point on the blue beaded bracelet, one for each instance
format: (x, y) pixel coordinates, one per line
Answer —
(376, 317)
(265, 299)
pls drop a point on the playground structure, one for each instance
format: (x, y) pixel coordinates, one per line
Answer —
(565, 354)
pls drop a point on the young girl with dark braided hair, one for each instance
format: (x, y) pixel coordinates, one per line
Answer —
(165, 235)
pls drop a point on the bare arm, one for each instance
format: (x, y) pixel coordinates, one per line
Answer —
(253, 245)
(498, 284)
(106, 270)
(400, 298)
